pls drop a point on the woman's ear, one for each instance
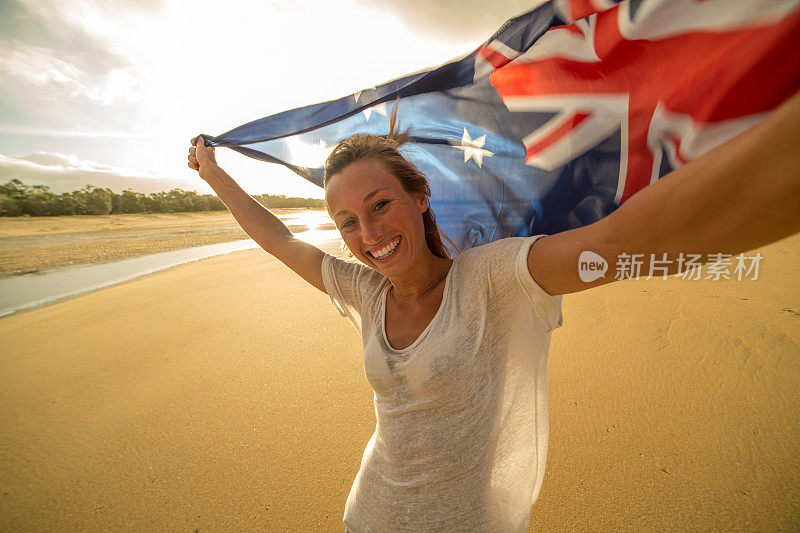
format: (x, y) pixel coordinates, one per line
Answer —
(422, 201)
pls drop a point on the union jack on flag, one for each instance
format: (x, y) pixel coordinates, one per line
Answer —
(565, 112)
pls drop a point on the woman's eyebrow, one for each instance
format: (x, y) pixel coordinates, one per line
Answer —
(373, 193)
(366, 199)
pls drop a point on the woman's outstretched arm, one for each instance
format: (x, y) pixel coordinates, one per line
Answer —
(739, 196)
(256, 220)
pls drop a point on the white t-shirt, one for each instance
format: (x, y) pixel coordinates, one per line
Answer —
(462, 425)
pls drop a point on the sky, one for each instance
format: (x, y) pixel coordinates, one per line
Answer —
(109, 93)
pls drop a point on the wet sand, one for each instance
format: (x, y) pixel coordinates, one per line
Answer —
(227, 395)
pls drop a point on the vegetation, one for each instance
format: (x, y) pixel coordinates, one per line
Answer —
(19, 199)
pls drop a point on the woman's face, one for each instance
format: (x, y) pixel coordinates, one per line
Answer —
(379, 221)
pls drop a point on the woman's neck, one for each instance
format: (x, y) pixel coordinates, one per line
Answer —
(423, 277)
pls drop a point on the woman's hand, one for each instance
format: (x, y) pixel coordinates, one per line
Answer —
(201, 156)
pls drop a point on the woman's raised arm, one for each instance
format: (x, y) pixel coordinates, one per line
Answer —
(256, 220)
(739, 196)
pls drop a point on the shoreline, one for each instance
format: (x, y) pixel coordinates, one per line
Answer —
(36, 244)
(31, 291)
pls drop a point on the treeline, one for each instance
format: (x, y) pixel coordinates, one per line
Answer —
(19, 199)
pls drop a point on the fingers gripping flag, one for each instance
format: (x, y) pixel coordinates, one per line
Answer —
(564, 113)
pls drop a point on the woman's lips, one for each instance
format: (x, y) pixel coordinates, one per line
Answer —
(393, 246)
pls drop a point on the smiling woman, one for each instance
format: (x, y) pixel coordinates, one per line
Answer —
(370, 225)
(455, 349)
(456, 395)
(384, 157)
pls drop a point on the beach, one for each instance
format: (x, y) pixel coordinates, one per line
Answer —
(228, 395)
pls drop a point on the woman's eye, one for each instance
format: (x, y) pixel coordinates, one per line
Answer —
(349, 223)
(381, 204)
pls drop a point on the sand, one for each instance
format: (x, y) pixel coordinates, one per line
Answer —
(31, 244)
(227, 395)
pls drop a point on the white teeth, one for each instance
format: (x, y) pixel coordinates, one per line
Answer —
(386, 250)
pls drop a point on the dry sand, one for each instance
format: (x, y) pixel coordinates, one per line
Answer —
(227, 395)
(30, 244)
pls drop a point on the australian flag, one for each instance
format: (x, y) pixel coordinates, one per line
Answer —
(564, 113)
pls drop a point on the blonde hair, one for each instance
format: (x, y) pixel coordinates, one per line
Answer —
(385, 151)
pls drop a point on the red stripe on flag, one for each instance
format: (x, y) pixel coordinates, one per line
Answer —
(495, 58)
(579, 9)
(572, 28)
(556, 135)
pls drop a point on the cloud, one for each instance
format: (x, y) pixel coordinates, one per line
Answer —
(62, 68)
(45, 28)
(64, 173)
(41, 67)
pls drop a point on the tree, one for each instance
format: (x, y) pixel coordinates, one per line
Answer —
(14, 189)
(9, 207)
(17, 198)
(127, 202)
(98, 201)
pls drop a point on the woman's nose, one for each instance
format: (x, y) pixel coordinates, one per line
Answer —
(371, 232)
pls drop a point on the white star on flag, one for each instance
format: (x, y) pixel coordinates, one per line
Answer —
(379, 109)
(357, 95)
(473, 148)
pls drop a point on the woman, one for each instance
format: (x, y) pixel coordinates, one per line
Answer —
(455, 349)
